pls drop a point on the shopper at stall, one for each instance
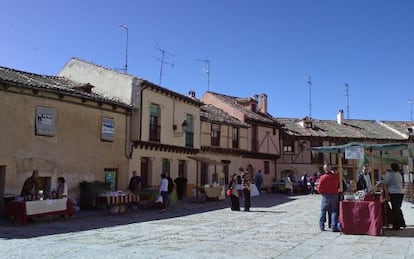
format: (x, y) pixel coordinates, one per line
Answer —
(30, 185)
(234, 194)
(328, 188)
(62, 188)
(393, 183)
(364, 179)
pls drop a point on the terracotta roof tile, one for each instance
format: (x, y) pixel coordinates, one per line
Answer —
(214, 114)
(235, 102)
(49, 83)
(358, 129)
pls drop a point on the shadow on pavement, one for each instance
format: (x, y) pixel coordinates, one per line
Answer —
(95, 219)
(405, 232)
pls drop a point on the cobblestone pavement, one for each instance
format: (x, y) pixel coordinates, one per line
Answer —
(278, 226)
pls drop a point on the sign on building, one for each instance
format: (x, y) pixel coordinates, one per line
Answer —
(108, 129)
(45, 121)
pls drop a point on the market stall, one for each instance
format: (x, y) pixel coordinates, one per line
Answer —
(357, 214)
(116, 202)
(20, 211)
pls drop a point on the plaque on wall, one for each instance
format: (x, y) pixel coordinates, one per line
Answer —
(45, 121)
(108, 129)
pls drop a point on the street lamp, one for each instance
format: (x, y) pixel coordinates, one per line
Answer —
(126, 51)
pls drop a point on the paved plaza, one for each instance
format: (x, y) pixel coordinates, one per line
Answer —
(278, 226)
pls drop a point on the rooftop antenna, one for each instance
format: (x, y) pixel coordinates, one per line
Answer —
(162, 60)
(411, 102)
(126, 51)
(347, 99)
(206, 70)
(310, 96)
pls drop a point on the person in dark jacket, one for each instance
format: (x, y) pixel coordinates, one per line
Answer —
(181, 183)
(234, 194)
(30, 185)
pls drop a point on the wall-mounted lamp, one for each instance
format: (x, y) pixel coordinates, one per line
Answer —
(184, 128)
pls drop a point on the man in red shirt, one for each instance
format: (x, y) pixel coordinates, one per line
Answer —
(328, 188)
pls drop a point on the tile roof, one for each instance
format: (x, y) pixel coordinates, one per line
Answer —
(400, 126)
(51, 84)
(235, 102)
(211, 113)
(357, 129)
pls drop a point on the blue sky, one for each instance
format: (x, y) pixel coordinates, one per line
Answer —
(254, 47)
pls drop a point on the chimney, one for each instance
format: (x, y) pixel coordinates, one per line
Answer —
(192, 94)
(340, 117)
(263, 103)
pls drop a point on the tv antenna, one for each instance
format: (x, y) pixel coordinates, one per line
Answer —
(310, 96)
(347, 99)
(411, 102)
(126, 50)
(162, 60)
(206, 71)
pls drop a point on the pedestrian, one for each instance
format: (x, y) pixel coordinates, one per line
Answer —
(30, 185)
(393, 183)
(258, 180)
(239, 186)
(246, 183)
(304, 183)
(181, 183)
(289, 184)
(62, 188)
(135, 183)
(312, 181)
(234, 194)
(328, 188)
(170, 189)
(163, 191)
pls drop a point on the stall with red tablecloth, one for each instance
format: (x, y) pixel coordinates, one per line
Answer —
(361, 217)
(19, 211)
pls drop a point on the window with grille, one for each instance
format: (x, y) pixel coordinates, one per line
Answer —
(155, 123)
(215, 135)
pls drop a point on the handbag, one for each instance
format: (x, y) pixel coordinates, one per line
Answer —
(228, 192)
(159, 199)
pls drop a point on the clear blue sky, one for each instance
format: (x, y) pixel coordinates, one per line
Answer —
(254, 46)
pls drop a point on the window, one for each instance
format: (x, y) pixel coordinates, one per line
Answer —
(235, 137)
(189, 134)
(288, 148)
(266, 166)
(165, 165)
(155, 123)
(215, 135)
(182, 168)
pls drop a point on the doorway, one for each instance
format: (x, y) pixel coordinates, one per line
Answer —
(2, 184)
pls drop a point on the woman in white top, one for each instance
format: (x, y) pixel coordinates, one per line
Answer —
(393, 183)
(163, 191)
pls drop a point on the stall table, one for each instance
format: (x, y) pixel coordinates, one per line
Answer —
(117, 201)
(361, 217)
(19, 211)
